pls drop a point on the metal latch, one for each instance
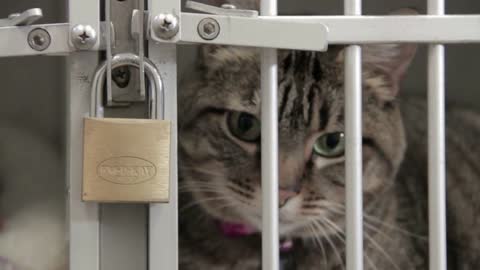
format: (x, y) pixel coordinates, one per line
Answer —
(227, 25)
(166, 26)
(20, 19)
(128, 84)
(225, 9)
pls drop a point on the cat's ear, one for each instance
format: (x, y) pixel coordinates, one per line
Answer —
(392, 60)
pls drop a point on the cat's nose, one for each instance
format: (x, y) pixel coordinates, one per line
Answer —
(285, 194)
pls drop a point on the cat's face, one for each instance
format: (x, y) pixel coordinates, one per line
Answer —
(220, 158)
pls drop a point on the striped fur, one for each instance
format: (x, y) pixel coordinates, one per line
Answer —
(220, 174)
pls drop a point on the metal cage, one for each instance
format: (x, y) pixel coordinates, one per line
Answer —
(308, 33)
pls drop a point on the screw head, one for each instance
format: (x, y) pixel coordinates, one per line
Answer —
(121, 76)
(83, 37)
(208, 29)
(165, 26)
(39, 39)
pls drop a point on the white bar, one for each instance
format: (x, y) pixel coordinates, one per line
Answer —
(353, 133)
(269, 144)
(84, 227)
(13, 40)
(141, 51)
(436, 149)
(369, 29)
(163, 220)
(265, 32)
(303, 32)
(108, 49)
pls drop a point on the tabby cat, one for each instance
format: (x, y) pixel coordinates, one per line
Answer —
(220, 188)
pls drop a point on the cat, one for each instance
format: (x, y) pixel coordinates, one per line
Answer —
(32, 202)
(219, 164)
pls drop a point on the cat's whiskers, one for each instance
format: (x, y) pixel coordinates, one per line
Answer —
(317, 240)
(201, 170)
(194, 184)
(375, 244)
(199, 202)
(340, 209)
(239, 191)
(341, 236)
(380, 249)
(319, 225)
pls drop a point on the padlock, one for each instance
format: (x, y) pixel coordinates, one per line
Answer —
(126, 160)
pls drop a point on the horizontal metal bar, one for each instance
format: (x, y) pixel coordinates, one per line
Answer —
(14, 40)
(258, 32)
(287, 32)
(400, 29)
(308, 32)
(25, 18)
(204, 8)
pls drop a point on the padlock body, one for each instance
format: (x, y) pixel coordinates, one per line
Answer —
(126, 160)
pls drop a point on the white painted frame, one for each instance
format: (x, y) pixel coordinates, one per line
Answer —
(83, 217)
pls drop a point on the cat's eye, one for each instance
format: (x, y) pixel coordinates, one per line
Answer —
(244, 126)
(330, 145)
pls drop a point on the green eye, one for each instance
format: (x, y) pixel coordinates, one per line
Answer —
(244, 126)
(330, 145)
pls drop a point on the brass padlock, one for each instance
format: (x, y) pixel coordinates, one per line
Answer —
(126, 160)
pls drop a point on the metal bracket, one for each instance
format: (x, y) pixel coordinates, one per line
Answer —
(126, 87)
(20, 19)
(226, 9)
(263, 31)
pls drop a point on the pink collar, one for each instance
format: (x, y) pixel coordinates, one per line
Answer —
(234, 230)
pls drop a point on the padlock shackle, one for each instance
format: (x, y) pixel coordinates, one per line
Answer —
(156, 90)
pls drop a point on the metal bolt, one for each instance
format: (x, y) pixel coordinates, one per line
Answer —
(39, 39)
(83, 37)
(229, 6)
(208, 29)
(165, 26)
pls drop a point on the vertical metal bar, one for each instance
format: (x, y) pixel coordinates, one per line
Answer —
(353, 133)
(83, 218)
(108, 39)
(141, 48)
(269, 88)
(163, 220)
(436, 149)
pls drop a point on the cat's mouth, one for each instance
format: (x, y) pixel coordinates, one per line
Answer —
(230, 229)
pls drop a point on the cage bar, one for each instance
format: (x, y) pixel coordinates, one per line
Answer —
(436, 149)
(83, 217)
(163, 218)
(141, 48)
(108, 50)
(353, 161)
(269, 89)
